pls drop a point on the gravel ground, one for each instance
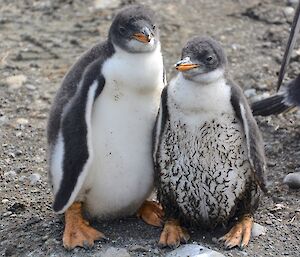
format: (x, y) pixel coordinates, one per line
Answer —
(41, 39)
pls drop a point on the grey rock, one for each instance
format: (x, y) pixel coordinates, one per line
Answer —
(258, 230)
(16, 81)
(138, 248)
(115, 252)
(5, 201)
(250, 92)
(34, 178)
(6, 214)
(193, 250)
(3, 120)
(292, 180)
(102, 4)
(260, 97)
(288, 11)
(10, 174)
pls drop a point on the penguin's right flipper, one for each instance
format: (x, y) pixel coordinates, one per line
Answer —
(72, 151)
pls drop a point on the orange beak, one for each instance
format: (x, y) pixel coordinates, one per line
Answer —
(142, 38)
(186, 66)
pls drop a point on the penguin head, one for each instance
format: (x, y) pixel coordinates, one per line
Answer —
(202, 60)
(134, 30)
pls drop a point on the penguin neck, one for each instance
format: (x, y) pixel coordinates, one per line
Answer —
(209, 78)
(140, 73)
(194, 98)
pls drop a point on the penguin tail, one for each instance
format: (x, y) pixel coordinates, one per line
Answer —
(272, 105)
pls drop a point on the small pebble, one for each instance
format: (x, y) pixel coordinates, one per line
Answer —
(15, 82)
(138, 248)
(3, 120)
(115, 252)
(104, 4)
(250, 92)
(193, 250)
(258, 230)
(292, 180)
(10, 174)
(289, 11)
(4, 201)
(30, 87)
(22, 121)
(34, 178)
(268, 222)
(6, 214)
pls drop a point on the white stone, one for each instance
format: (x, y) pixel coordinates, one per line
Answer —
(102, 4)
(250, 92)
(4, 201)
(193, 250)
(258, 230)
(34, 178)
(22, 121)
(288, 11)
(16, 81)
(30, 87)
(115, 252)
(10, 174)
(3, 120)
(293, 180)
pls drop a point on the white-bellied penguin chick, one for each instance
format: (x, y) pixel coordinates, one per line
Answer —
(208, 152)
(100, 128)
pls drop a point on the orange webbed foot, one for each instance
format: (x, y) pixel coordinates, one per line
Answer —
(78, 232)
(173, 234)
(240, 233)
(152, 213)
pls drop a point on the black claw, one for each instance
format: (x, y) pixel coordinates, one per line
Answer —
(87, 245)
(160, 245)
(104, 239)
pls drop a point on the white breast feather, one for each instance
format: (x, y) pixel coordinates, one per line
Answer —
(121, 174)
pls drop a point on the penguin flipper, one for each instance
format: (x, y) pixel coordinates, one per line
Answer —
(272, 105)
(75, 136)
(255, 145)
(284, 100)
(160, 123)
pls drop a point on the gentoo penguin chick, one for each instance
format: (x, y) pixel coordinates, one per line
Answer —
(208, 151)
(100, 128)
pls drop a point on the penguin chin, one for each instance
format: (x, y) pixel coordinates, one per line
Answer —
(206, 77)
(135, 46)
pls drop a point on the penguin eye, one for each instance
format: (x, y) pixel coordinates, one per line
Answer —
(122, 30)
(209, 59)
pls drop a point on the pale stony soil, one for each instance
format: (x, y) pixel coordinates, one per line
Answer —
(41, 39)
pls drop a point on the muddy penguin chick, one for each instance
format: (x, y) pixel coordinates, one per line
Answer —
(208, 152)
(100, 128)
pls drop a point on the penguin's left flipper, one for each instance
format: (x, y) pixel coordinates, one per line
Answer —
(75, 137)
(240, 233)
(255, 145)
(152, 213)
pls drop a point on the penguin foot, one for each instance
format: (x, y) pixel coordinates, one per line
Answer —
(173, 234)
(152, 213)
(240, 233)
(78, 232)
